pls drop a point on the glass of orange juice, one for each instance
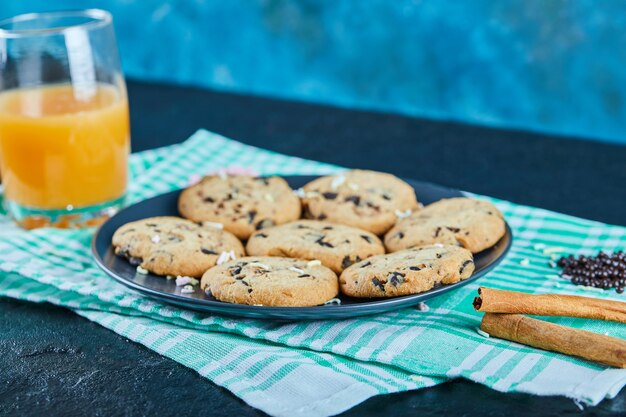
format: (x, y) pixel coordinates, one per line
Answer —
(64, 124)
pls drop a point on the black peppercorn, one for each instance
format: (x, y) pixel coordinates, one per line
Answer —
(601, 271)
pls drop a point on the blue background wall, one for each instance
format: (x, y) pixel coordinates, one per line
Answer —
(548, 65)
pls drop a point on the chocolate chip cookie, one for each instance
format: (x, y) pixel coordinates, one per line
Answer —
(410, 271)
(173, 246)
(368, 200)
(241, 204)
(336, 246)
(271, 281)
(473, 224)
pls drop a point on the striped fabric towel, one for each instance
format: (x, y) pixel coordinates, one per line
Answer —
(324, 367)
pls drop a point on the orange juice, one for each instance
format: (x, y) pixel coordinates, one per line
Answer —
(61, 146)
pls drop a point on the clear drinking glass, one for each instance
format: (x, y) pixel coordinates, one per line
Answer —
(64, 125)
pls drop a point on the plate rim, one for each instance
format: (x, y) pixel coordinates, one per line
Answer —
(359, 309)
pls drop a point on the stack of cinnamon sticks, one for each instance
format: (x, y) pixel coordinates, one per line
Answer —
(504, 320)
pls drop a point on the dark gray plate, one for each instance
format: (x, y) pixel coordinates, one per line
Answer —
(166, 290)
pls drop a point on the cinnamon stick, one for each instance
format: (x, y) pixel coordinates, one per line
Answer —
(549, 336)
(501, 301)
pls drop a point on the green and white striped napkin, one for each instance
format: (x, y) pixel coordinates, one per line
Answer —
(324, 367)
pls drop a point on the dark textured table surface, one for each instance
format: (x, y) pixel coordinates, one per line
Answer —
(51, 359)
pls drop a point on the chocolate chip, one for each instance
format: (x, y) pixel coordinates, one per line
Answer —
(209, 200)
(329, 196)
(415, 268)
(368, 263)
(399, 235)
(249, 290)
(301, 226)
(354, 199)
(321, 242)
(134, 261)
(453, 229)
(123, 251)
(260, 235)
(321, 217)
(234, 270)
(151, 224)
(304, 276)
(386, 197)
(438, 256)
(464, 265)
(490, 213)
(208, 251)
(251, 216)
(396, 278)
(346, 262)
(367, 238)
(437, 231)
(372, 206)
(264, 223)
(263, 180)
(245, 283)
(327, 228)
(378, 284)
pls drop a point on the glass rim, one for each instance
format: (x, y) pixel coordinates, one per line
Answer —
(98, 18)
